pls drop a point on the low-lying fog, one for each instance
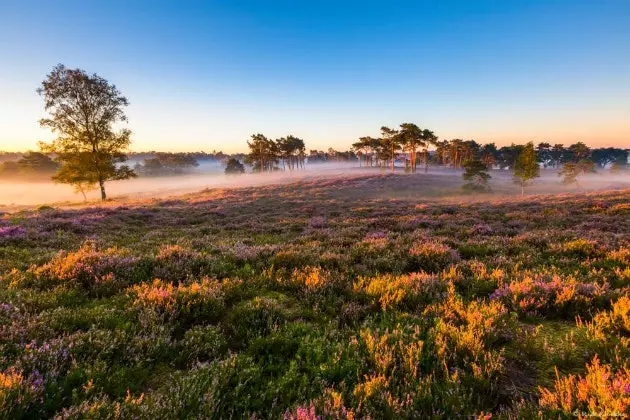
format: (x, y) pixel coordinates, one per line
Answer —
(211, 176)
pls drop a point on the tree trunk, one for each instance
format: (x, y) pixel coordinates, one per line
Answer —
(101, 182)
(426, 161)
(393, 159)
(522, 190)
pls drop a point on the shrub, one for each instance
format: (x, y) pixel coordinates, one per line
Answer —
(601, 392)
(540, 296)
(201, 343)
(609, 332)
(431, 256)
(402, 292)
(259, 317)
(196, 301)
(176, 264)
(18, 393)
(578, 248)
(100, 273)
(313, 280)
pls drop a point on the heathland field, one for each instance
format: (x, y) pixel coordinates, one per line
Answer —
(367, 296)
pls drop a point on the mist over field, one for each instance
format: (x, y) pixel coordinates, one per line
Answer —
(205, 176)
(443, 181)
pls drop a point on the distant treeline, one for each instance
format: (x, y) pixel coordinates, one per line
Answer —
(29, 165)
(289, 153)
(39, 166)
(406, 142)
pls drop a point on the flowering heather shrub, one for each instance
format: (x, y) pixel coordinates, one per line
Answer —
(379, 310)
(475, 278)
(11, 233)
(470, 328)
(578, 248)
(481, 229)
(18, 393)
(602, 392)
(432, 256)
(615, 322)
(313, 280)
(329, 405)
(403, 292)
(193, 301)
(242, 252)
(558, 296)
(317, 222)
(175, 263)
(259, 316)
(395, 352)
(98, 272)
(376, 235)
(621, 256)
(620, 209)
(609, 333)
(201, 343)
(290, 258)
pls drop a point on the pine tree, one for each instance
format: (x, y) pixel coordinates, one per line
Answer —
(476, 173)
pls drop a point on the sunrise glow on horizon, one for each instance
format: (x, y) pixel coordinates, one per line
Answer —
(206, 76)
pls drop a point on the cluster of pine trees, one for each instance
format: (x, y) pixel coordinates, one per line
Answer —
(267, 155)
(404, 144)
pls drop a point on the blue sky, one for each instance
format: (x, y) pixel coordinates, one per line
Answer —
(206, 75)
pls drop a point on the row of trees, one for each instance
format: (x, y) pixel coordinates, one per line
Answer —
(166, 164)
(32, 165)
(84, 109)
(527, 166)
(405, 142)
(385, 150)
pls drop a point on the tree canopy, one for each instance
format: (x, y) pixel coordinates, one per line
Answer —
(526, 166)
(476, 173)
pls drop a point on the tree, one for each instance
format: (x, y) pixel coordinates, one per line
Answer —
(391, 144)
(429, 139)
(557, 153)
(83, 109)
(365, 147)
(543, 151)
(608, 156)
(571, 171)
(508, 155)
(72, 173)
(292, 151)
(233, 167)
(37, 163)
(489, 154)
(442, 152)
(167, 164)
(526, 166)
(263, 154)
(579, 151)
(476, 173)
(620, 164)
(411, 137)
(9, 169)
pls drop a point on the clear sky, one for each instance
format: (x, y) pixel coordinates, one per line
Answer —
(206, 75)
